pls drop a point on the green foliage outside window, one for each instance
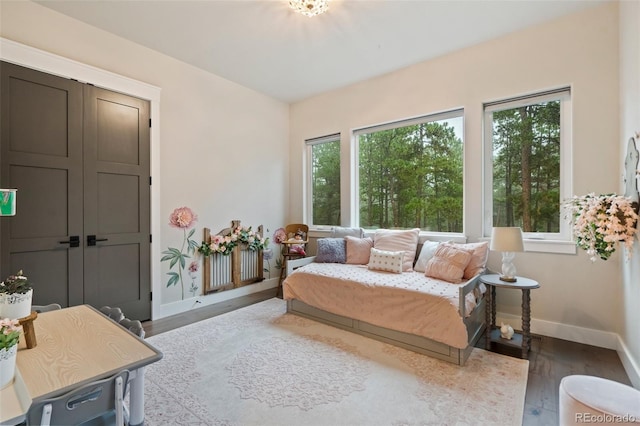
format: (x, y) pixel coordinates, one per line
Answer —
(325, 163)
(526, 167)
(411, 177)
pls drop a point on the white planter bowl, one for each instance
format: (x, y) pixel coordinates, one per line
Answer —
(15, 306)
(7, 365)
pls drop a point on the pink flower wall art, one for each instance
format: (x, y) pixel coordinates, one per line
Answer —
(181, 218)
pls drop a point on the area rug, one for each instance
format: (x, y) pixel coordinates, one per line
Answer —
(261, 366)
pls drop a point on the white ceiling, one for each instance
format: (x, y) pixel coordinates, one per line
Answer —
(263, 45)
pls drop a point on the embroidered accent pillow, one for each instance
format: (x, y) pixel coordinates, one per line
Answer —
(426, 253)
(448, 263)
(389, 261)
(331, 250)
(358, 250)
(393, 240)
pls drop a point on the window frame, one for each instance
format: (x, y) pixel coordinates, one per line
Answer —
(309, 144)
(562, 241)
(355, 158)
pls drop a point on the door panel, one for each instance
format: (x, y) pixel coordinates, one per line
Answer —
(119, 286)
(41, 156)
(118, 132)
(45, 215)
(48, 270)
(117, 201)
(120, 193)
(43, 104)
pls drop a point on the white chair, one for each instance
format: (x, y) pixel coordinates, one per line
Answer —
(133, 326)
(84, 404)
(113, 313)
(46, 308)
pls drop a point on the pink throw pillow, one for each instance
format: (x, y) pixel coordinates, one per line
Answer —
(358, 250)
(393, 240)
(448, 263)
(479, 256)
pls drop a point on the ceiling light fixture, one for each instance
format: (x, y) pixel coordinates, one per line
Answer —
(309, 7)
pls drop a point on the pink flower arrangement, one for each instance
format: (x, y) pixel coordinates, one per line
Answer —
(280, 236)
(183, 218)
(9, 332)
(224, 244)
(600, 221)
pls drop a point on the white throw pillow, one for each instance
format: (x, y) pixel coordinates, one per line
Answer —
(426, 253)
(396, 240)
(389, 261)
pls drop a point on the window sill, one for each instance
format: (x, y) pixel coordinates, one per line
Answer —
(547, 246)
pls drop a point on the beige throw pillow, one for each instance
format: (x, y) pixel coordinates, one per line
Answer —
(448, 263)
(393, 240)
(479, 256)
(389, 261)
(358, 250)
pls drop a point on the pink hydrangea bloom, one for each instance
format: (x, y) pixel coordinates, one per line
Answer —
(280, 235)
(182, 217)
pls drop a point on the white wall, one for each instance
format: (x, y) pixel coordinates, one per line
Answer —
(577, 300)
(223, 147)
(629, 124)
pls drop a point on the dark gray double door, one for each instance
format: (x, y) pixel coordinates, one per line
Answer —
(79, 157)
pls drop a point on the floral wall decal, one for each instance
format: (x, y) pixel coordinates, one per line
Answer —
(182, 218)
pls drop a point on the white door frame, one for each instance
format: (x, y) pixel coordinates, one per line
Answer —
(40, 60)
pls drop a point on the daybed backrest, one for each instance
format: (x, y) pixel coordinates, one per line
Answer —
(480, 250)
(341, 232)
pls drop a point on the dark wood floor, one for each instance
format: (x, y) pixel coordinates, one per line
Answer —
(549, 361)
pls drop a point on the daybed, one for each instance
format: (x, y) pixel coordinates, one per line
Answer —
(412, 307)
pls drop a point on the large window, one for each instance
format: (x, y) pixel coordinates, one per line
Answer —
(324, 189)
(527, 144)
(410, 174)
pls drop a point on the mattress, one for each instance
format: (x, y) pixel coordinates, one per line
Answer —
(409, 302)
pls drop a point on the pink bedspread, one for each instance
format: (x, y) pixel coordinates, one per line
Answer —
(409, 302)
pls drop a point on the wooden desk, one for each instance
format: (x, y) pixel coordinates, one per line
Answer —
(78, 345)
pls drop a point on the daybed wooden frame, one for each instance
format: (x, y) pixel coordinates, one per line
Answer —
(475, 323)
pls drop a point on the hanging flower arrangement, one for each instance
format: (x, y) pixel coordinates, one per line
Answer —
(601, 221)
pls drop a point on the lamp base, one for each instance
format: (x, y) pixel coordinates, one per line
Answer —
(508, 279)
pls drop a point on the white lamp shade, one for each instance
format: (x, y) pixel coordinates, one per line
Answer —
(506, 239)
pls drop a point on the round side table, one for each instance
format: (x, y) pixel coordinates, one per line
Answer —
(519, 340)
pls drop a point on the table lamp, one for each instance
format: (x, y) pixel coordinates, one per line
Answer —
(508, 240)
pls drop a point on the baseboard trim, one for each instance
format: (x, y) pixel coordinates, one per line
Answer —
(630, 365)
(209, 299)
(572, 333)
(587, 336)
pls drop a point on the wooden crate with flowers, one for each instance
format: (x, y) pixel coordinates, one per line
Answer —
(232, 257)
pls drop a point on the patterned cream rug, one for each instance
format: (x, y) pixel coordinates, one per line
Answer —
(261, 366)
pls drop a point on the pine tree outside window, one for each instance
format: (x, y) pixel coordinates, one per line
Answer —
(527, 164)
(410, 174)
(323, 160)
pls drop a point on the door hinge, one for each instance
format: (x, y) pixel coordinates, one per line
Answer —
(150, 295)
(149, 180)
(150, 238)
(149, 123)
